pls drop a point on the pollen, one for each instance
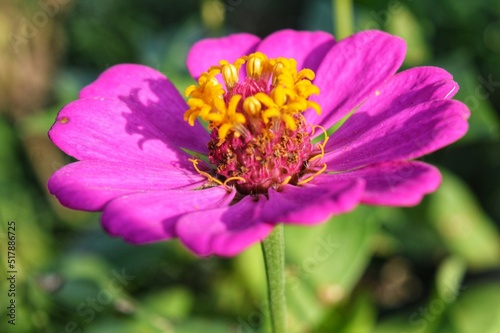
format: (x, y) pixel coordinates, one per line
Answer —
(254, 109)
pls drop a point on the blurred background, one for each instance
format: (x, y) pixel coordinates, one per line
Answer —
(432, 268)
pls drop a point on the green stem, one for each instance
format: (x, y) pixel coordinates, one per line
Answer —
(273, 249)
(343, 16)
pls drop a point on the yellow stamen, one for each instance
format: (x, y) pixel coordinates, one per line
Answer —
(203, 173)
(315, 106)
(321, 145)
(306, 73)
(252, 106)
(308, 179)
(212, 179)
(320, 155)
(277, 70)
(286, 181)
(325, 133)
(254, 67)
(230, 75)
(233, 178)
(287, 97)
(289, 122)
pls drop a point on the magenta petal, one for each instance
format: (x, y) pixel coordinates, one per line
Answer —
(408, 88)
(353, 69)
(124, 79)
(392, 136)
(405, 89)
(89, 185)
(109, 130)
(151, 99)
(208, 52)
(401, 183)
(308, 48)
(312, 204)
(152, 216)
(224, 231)
(380, 111)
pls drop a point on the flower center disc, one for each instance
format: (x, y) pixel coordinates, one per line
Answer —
(259, 137)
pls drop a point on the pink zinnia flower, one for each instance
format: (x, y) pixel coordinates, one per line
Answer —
(155, 177)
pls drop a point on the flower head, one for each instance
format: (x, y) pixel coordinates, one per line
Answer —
(156, 173)
(260, 138)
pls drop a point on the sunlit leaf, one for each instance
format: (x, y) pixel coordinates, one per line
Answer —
(467, 231)
(325, 262)
(477, 309)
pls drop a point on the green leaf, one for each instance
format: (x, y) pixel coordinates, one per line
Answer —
(249, 267)
(484, 122)
(206, 326)
(398, 324)
(324, 263)
(449, 277)
(466, 230)
(172, 303)
(446, 291)
(401, 22)
(362, 317)
(477, 310)
(356, 316)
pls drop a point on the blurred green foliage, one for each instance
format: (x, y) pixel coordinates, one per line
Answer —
(428, 269)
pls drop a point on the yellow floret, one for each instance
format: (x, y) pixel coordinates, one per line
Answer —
(288, 95)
